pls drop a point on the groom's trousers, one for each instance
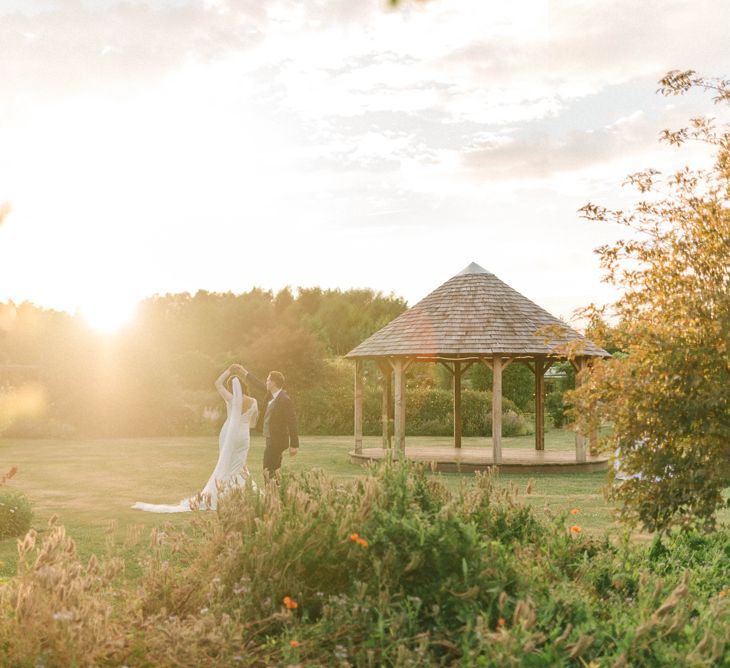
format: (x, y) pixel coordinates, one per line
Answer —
(272, 458)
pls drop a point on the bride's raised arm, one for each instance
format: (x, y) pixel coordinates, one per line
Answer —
(219, 385)
(253, 420)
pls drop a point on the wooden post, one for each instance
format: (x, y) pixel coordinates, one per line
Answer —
(400, 413)
(358, 406)
(457, 404)
(384, 409)
(391, 409)
(386, 406)
(497, 410)
(580, 440)
(539, 404)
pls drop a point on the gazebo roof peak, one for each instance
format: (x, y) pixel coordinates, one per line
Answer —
(473, 268)
(474, 314)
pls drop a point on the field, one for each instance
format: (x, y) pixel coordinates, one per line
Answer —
(91, 484)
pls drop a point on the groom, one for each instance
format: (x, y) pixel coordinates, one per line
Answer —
(280, 422)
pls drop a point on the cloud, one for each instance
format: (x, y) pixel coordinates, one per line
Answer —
(71, 47)
(586, 46)
(540, 155)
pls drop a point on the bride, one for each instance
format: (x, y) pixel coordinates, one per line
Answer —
(230, 471)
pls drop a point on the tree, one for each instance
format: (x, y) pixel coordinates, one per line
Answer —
(668, 397)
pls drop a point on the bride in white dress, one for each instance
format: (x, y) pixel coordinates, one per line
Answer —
(230, 471)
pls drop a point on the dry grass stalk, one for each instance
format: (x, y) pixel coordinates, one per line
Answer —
(578, 648)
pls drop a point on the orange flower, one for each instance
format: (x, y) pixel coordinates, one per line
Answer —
(722, 593)
(501, 622)
(575, 529)
(290, 603)
(362, 542)
(294, 643)
(354, 537)
(574, 511)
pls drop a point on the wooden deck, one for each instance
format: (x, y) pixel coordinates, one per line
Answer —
(468, 460)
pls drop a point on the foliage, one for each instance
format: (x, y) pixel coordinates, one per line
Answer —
(518, 383)
(555, 408)
(392, 569)
(667, 397)
(327, 409)
(15, 514)
(15, 510)
(432, 412)
(57, 611)
(156, 376)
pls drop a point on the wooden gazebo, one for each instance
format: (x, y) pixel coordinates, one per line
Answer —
(473, 318)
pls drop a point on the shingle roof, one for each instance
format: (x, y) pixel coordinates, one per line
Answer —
(473, 313)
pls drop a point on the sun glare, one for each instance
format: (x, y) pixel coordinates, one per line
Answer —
(107, 317)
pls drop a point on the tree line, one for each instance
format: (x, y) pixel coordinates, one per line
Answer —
(155, 376)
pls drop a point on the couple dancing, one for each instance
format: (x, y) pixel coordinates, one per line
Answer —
(242, 413)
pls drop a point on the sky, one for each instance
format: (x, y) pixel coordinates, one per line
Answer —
(155, 146)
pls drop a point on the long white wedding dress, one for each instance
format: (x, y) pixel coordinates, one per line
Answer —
(230, 470)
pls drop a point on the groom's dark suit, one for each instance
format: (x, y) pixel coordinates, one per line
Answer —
(279, 425)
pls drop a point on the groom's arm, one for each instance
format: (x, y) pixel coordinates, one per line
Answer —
(291, 423)
(254, 382)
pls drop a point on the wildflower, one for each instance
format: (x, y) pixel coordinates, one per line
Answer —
(354, 537)
(290, 603)
(340, 652)
(722, 593)
(294, 643)
(501, 622)
(574, 511)
(575, 529)
(362, 542)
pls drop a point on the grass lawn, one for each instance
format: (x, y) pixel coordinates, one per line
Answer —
(91, 484)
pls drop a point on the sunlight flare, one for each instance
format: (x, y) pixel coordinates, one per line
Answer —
(106, 315)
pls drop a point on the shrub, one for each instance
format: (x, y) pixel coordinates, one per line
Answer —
(57, 611)
(15, 514)
(555, 408)
(429, 411)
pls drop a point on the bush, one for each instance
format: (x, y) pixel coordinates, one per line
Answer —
(555, 408)
(15, 514)
(429, 411)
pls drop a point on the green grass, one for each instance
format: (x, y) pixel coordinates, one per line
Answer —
(91, 484)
